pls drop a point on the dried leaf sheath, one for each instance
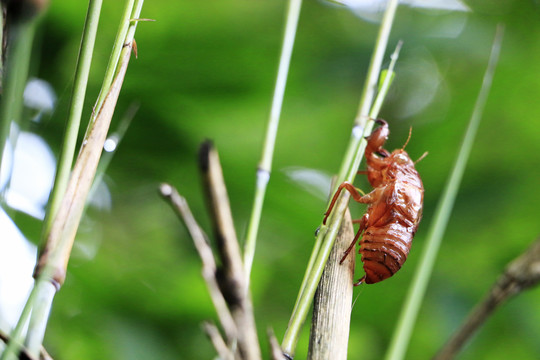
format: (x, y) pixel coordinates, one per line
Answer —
(332, 308)
(60, 239)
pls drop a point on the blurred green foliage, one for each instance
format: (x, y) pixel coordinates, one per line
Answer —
(206, 70)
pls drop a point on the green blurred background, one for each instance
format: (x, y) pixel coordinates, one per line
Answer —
(206, 69)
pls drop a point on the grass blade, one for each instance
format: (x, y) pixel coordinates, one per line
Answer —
(402, 334)
(265, 166)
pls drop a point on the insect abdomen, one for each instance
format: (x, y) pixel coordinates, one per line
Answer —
(384, 250)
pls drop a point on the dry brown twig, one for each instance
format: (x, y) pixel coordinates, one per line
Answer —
(219, 344)
(209, 268)
(275, 350)
(520, 274)
(227, 284)
(231, 276)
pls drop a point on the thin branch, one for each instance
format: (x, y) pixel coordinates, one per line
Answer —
(222, 220)
(275, 349)
(520, 275)
(209, 268)
(219, 344)
(231, 276)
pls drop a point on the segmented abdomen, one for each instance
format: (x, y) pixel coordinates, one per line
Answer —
(384, 249)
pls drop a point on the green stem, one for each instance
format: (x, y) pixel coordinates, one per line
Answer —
(265, 166)
(73, 122)
(40, 314)
(327, 235)
(362, 125)
(313, 263)
(63, 243)
(45, 292)
(121, 37)
(411, 306)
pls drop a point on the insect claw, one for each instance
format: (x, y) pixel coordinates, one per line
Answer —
(360, 282)
(317, 231)
(287, 356)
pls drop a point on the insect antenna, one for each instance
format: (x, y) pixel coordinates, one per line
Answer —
(408, 138)
(421, 157)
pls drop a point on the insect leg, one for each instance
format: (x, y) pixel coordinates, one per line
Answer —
(351, 189)
(363, 222)
(360, 282)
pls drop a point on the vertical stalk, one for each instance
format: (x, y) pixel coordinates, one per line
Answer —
(327, 234)
(53, 260)
(265, 166)
(46, 291)
(73, 121)
(409, 312)
(348, 168)
(119, 42)
(329, 335)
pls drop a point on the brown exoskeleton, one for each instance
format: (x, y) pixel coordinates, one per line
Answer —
(395, 208)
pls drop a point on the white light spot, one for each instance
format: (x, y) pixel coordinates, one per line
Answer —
(32, 175)
(17, 260)
(39, 95)
(263, 176)
(357, 131)
(110, 144)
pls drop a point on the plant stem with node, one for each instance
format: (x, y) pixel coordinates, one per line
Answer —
(265, 166)
(357, 144)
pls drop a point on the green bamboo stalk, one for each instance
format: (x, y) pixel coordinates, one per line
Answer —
(265, 166)
(322, 249)
(82, 71)
(46, 291)
(383, 90)
(121, 35)
(327, 234)
(64, 226)
(362, 126)
(411, 306)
